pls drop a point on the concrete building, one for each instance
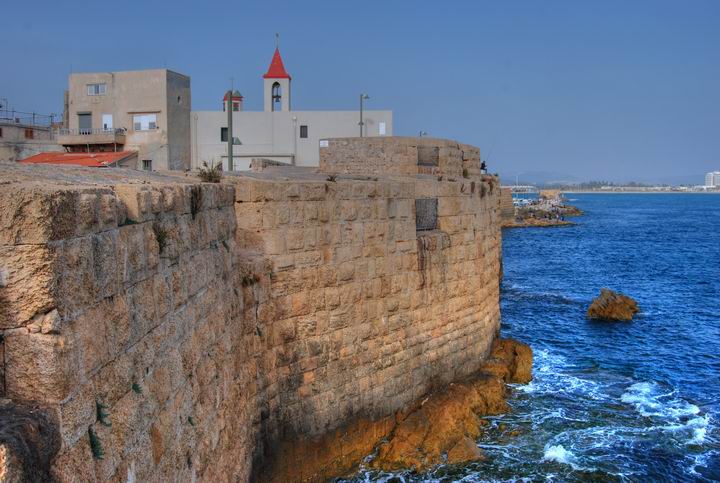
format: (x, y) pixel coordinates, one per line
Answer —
(277, 133)
(712, 179)
(24, 134)
(147, 111)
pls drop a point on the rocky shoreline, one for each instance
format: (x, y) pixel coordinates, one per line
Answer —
(536, 223)
(549, 210)
(440, 428)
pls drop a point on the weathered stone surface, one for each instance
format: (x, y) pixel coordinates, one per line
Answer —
(27, 283)
(612, 306)
(39, 367)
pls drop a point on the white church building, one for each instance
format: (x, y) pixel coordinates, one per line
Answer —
(277, 132)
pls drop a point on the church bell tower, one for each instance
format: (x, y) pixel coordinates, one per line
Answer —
(277, 85)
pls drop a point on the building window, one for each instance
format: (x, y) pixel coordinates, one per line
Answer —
(96, 89)
(303, 131)
(236, 106)
(107, 120)
(381, 128)
(29, 134)
(145, 122)
(426, 213)
(0, 132)
(147, 164)
(223, 134)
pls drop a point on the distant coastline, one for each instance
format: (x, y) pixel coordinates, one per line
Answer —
(641, 192)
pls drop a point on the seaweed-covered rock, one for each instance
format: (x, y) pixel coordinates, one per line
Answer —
(612, 306)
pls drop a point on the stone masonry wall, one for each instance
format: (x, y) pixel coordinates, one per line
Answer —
(366, 313)
(399, 156)
(208, 323)
(115, 292)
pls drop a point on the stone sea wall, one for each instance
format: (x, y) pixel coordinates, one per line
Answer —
(170, 329)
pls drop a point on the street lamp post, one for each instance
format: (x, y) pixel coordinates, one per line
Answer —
(230, 130)
(363, 97)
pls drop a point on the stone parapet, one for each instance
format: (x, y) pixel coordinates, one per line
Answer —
(405, 156)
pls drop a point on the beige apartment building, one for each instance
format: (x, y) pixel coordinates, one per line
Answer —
(147, 111)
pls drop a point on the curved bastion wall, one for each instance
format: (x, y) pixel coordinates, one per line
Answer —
(161, 328)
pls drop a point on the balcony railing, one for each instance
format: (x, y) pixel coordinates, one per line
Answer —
(89, 132)
(77, 136)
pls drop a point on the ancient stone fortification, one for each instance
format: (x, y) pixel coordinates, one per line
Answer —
(507, 209)
(167, 329)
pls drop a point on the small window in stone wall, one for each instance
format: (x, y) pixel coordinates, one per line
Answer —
(428, 156)
(426, 210)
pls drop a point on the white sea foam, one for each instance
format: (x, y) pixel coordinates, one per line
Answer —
(699, 426)
(559, 454)
(550, 376)
(649, 401)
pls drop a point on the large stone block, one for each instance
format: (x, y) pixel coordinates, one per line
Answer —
(40, 367)
(27, 283)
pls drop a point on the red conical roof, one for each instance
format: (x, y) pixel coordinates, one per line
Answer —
(276, 69)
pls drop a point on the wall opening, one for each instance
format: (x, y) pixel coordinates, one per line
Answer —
(426, 210)
(428, 155)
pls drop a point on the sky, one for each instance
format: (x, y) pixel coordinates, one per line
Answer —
(549, 90)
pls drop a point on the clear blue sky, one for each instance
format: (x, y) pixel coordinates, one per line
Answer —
(591, 89)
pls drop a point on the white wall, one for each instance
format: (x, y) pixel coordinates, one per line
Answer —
(276, 135)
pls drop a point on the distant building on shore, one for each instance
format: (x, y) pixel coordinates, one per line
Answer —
(712, 179)
(277, 132)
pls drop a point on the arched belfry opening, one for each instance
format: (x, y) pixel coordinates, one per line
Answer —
(276, 96)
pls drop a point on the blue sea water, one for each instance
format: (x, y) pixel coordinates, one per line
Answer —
(624, 401)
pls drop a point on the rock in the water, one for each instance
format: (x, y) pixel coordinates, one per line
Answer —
(464, 451)
(611, 305)
(510, 360)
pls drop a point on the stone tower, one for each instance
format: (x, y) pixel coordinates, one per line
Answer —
(277, 85)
